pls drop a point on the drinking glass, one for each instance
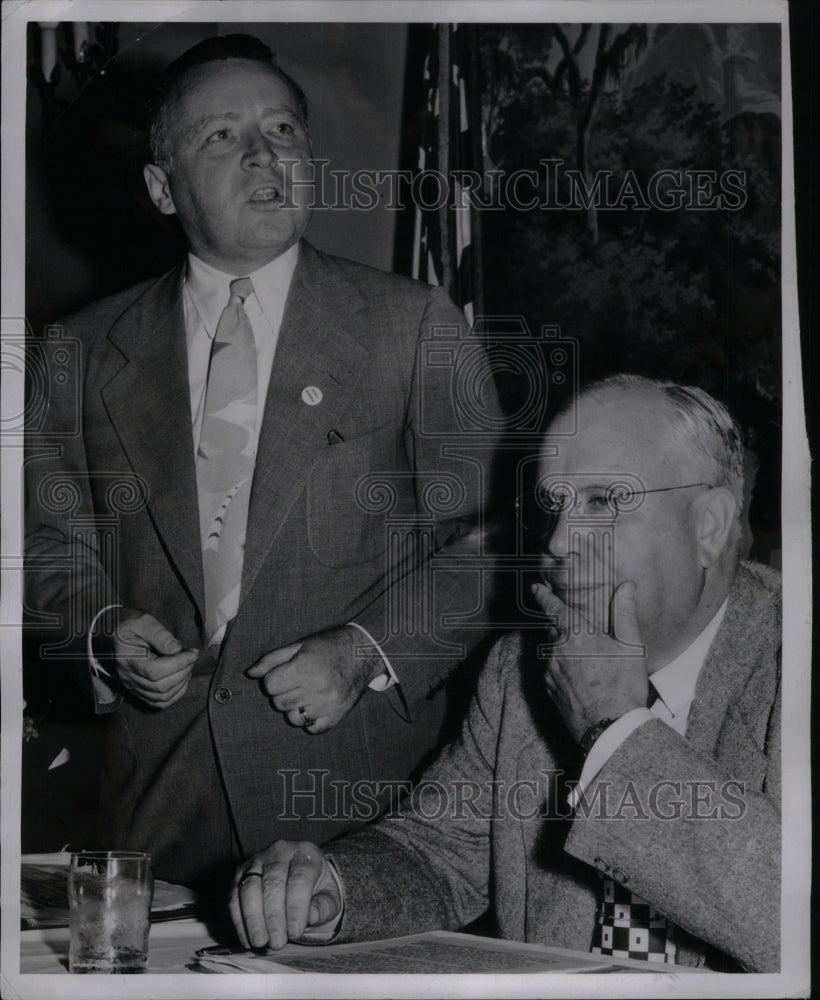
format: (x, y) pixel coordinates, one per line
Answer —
(109, 896)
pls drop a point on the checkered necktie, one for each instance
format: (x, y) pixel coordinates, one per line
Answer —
(627, 926)
(225, 458)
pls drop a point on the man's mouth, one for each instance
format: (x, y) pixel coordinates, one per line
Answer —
(265, 195)
(573, 594)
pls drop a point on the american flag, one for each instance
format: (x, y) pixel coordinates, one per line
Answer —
(447, 238)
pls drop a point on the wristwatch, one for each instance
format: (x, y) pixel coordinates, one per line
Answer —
(589, 738)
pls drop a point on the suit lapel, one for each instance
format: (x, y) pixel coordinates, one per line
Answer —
(715, 724)
(316, 350)
(148, 402)
(559, 904)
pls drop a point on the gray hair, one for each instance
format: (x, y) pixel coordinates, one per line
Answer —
(703, 426)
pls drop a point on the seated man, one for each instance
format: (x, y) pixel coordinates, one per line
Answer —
(623, 794)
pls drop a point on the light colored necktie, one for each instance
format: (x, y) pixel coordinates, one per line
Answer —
(226, 456)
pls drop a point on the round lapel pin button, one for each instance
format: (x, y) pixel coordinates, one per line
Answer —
(311, 395)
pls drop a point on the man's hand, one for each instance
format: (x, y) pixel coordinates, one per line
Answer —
(296, 890)
(320, 674)
(151, 664)
(591, 675)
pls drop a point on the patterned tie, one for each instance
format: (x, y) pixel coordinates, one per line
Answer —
(627, 926)
(225, 459)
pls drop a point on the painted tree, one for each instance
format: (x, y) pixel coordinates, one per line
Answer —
(688, 293)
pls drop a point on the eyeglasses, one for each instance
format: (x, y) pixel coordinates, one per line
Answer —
(538, 512)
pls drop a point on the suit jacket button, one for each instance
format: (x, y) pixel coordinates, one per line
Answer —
(620, 876)
(223, 695)
(601, 865)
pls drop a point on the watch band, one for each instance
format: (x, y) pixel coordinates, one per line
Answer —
(589, 738)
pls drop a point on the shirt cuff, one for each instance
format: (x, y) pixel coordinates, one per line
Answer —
(103, 692)
(321, 933)
(605, 746)
(388, 678)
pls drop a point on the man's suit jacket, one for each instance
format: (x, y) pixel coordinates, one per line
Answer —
(691, 824)
(318, 551)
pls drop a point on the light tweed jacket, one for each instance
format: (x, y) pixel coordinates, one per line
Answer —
(704, 846)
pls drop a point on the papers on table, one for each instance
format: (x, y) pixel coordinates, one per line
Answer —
(432, 953)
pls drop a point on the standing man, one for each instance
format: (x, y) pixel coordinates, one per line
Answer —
(655, 704)
(260, 401)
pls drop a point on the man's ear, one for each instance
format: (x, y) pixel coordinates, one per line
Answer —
(159, 188)
(716, 516)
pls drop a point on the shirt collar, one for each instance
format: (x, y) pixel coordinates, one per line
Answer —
(675, 683)
(209, 288)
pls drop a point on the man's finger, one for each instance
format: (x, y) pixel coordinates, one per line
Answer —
(289, 702)
(249, 892)
(236, 914)
(146, 628)
(157, 668)
(319, 723)
(551, 605)
(275, 658)
(287, 679)
(625, 625)
(302, 877)
(160, 639)
(269, 925)
(157, 699)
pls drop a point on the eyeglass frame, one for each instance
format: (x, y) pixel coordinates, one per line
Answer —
(612, 495)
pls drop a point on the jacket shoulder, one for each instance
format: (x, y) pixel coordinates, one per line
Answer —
(94, 320)
(764, 579)
(758, 592)
(373, 284)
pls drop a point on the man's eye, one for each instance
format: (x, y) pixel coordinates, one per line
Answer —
(599, 502)
(283, 128)
(219, 136)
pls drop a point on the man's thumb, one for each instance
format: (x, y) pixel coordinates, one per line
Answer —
(324, 906)
(275, 658)
(625, 615)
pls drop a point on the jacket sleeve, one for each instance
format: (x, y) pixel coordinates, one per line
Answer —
(692, 837)
(435, 599)
(426, 864)
(66, 583)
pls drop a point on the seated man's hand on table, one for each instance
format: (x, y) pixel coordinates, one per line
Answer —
(294, 891)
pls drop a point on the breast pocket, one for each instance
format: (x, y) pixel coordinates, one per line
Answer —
(346, 509)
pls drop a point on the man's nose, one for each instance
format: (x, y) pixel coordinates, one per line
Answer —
(557, 538)
(259, 151)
